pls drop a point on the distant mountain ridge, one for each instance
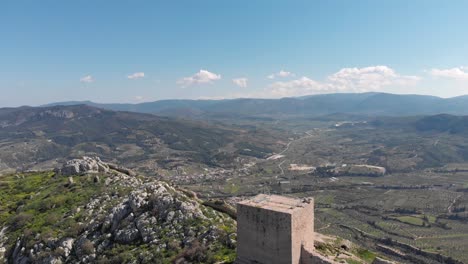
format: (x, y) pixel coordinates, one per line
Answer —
(369, 104)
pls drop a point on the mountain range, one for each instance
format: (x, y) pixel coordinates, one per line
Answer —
(368, 104)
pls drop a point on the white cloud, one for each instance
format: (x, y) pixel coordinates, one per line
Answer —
(241, 82)
(301, 86)
(87, 79)
(372, 78)
(368, 79)
(203, 76)
(282, 74)
(136, 75)
(139, 98)
(457, 73)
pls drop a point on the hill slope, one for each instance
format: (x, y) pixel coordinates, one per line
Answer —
(442, 123)
(107, 217)
(38, 136)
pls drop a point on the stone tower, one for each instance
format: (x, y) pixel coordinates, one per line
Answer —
(273, 229)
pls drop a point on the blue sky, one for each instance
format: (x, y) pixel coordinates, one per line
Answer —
(133, 51)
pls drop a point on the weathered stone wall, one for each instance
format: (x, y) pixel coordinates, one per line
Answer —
(312, 257)
(263, 235)
(302, 232)
(273, 229)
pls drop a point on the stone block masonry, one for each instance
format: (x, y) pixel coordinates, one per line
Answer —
(274, 229)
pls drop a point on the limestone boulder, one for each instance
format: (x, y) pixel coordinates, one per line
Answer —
(82, 166)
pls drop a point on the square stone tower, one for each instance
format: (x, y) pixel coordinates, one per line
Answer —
(272, 229)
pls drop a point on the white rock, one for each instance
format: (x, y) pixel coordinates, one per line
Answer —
(67, 245)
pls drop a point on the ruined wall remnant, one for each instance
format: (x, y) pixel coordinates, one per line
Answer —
(273, 229)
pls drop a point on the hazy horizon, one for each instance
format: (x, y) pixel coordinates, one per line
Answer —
(238, 98)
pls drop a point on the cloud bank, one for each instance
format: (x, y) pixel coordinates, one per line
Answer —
(201, 77)
(365, 79)
(457, 73)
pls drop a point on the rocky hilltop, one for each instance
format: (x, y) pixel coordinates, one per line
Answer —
(83, 166)
(90, 165)
(90, 212)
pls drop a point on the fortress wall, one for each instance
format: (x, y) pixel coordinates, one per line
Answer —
(264, 235)
(302, 232)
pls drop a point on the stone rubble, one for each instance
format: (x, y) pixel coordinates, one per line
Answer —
(83, 166)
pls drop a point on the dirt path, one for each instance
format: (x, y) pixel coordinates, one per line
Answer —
(279, 166)
(452, 204)
(308, 135)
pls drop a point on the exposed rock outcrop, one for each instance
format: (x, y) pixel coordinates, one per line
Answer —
(83, 166)
(3, 240)
(66, 245)
(152, 215)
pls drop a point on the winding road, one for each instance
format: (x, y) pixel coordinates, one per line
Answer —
(308, 135)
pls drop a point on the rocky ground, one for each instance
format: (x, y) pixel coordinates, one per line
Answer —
(125, 219)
